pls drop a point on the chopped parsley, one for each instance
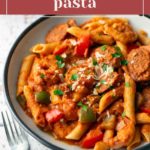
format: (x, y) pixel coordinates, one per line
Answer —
(127, 84)
(104, 47)
(60, 61)
(84, 107)
(117, 49)
(103, 81)
(124, 62)
(104, 67)
(97, 85)
(74, 77)
(58, 92)
(118, 53)
(94, 62)
(123, 114)
(60, 64)
(42, 76)
(59, 58)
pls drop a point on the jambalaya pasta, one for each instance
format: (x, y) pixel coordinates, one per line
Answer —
(89, 84)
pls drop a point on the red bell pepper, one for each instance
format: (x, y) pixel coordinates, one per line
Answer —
(92, 138)
(53, 116)
(83, 46)
(60, 50)
(146, 110)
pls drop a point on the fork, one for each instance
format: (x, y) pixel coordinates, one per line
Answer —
(16, 137)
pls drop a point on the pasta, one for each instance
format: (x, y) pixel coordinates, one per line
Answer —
(107, 135)
(45, 49)
(110, 97)
(146, 132)
(37, 111)
(136, 140)
(78, 131)
(129, 97)
(142, 118)
(24, 73)
(101, 146)
(89, 84)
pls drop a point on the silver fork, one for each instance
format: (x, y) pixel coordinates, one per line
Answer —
(16, 137)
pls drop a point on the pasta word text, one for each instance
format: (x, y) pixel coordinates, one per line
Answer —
(58, 4)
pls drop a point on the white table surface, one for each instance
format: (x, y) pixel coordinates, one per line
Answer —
(10, 28)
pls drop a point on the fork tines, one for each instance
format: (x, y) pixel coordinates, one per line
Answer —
(14, 133)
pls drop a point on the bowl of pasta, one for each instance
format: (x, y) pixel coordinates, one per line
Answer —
(82, 82)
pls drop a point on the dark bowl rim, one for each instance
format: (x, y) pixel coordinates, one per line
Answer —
(6, 91)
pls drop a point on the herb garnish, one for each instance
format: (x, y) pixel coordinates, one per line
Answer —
(118, 52)
(104, 67)
(42, 75)
(60, 61)
(60, 64)
(74, 77)
(124, 62)
(127, 84)
(94, 62)
(103, 81)
(58, 92)
(84, 107)
(104, 47)
(59, 58)
(117, 55)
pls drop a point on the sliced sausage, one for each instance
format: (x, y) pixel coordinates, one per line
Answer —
(108, 55)
(139, 63)
(81, 75)
(57, 34)
(107, 82)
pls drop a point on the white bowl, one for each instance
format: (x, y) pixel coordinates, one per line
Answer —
(35, 33)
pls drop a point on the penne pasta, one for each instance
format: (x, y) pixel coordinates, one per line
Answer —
(110, 97)
(108, 134)
(129, 97)
(123, 48)
(45, 49)
(101, 39)
(77, 32)
(101, 146)
(143, 37)
(37, 110)
(24, 73)
(91, 26)
(55, 99)
(145, 130)
(142, 118)
(136, 140)
(78, 131)
(109, 123)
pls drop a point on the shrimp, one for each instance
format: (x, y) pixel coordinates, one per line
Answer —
(125, 134)
(126, 125)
